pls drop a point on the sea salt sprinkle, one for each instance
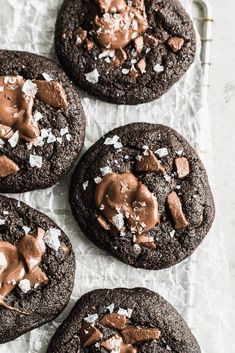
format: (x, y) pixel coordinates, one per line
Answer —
(14, 139)
(91, 318)
(118, 220)
(97, 180)
(37, 116)
(51, 238)
(162, 152)
(105, 170)
(110, 308)
(158, 68)
(24, 285)
(92, 76)
(113, 141)
(26, 229)
(126, 312)
(46, 76)
(35, 161)
(29, 88)
(85, 185)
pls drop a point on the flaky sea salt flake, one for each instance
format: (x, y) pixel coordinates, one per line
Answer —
(29, 88)
(47, 77)
(85, 185)
(35, 161)
(158, 68)
(91, 318)
(51, 238)
(37, 116)
(14, 139)
(105, 170)
(24, 285)
(93, 76)
(162, 152)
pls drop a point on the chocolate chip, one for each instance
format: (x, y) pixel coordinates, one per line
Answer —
(175, 43)
(103, 222)
(7, 166)
(141, 66)
(134, 335)
(133, 73)
(114, 320)
(89, 334)
(182, 167)
(146, 241)
(52, 93)
(120, 57)
(150, 40)
(89, 44)
(149, 163)
(138, 44)
(80, 35)
(176, 210)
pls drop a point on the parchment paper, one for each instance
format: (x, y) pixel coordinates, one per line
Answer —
(195, 287)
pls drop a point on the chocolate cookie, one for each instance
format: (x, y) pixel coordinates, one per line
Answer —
(123, 321)
(125, 52)
(142, 193)
(37, 266)
(42, 124)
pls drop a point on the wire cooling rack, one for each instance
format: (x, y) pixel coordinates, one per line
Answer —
(203, 20)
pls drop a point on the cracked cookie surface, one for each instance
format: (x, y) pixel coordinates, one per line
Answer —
(125, 52)
(42, 123)
(142, 194)
(123, 320)
(37, 269)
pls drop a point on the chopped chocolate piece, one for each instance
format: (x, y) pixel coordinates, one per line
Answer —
(80, 34)
(16, 104)
(151, 40)
(182, 167)
(21, 262)
(7, 166)
(52, 93)
(133, 73)
(102, 222)
(89, 334)
(138, 140)
(119, 58)
(141, 66)
(6, 132)
(114, 320)
(89, 44)
(175, 43)
(114, 31)
(125, 24)
(149, 163)
(134, 335)
(138, 44)
(135, 203)
(145, 241)
(176, 210)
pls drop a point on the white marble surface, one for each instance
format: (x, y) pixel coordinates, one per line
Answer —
(222, 112)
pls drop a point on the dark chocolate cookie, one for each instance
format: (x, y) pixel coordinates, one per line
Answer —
(125, 52)
(142, 193)
(123, 321)
(42, 124)
(37, 266)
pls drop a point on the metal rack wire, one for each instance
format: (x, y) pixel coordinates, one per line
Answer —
(204, 21)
